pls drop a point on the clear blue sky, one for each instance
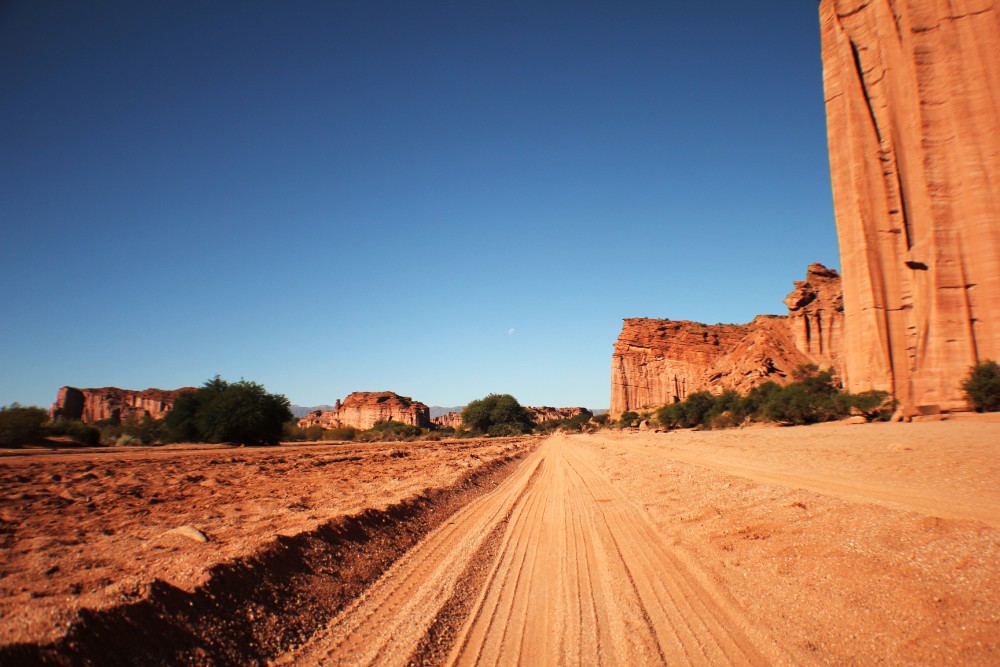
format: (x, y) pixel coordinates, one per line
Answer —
(442, 199)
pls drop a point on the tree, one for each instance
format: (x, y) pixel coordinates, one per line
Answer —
(497, 414)
(20, 425)
(982, 386)
(238, 412)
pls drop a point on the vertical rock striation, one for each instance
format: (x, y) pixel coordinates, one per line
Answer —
(113, 404)
(656, 362)
(913, 122)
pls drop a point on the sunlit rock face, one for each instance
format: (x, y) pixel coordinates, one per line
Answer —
(913, 121)
(656, 362)
(364, 409)
(113, 404)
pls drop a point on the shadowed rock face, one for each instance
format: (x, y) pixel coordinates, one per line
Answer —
(656, 362)
(364, 409)
(113, 404)
(913, 121)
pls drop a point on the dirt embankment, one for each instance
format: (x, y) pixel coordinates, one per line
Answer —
(94, 570)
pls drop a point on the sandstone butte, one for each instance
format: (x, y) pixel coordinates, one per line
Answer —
(364, 409)
(912, 93)
(656, 362)
(537, 415)
(113, 404)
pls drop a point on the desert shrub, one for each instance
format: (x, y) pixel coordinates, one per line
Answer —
(292, 432)
(755, 399)
(504, 430)
(146, 430)
(982, 386)
(812, 398)
(396, 429)
(695, 409)
(21, 425)
(873, 405)
(496, 410)
(78, 431)
(628, 419)
(340, 433)
(601, 419)
(234, 412)
(574, 423)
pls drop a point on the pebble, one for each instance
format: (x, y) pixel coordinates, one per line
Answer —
(189, 532)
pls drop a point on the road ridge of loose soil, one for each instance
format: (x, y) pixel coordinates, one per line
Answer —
(254, 608)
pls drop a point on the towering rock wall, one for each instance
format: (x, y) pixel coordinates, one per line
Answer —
(913, 121)
(656, 362)
(364, 409)
(113, 404)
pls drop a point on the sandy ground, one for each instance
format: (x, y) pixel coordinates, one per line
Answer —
(832, 544)
(92, 529)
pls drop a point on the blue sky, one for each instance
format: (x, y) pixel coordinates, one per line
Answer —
(442, 199)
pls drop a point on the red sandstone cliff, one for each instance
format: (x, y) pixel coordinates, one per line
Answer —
(113, 404)
(364, 409)
(656, 362)
(913, 121)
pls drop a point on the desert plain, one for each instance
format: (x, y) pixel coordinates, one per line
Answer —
(828, 544)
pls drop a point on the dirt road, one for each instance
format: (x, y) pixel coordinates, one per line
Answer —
(555, 567)
(819, 545)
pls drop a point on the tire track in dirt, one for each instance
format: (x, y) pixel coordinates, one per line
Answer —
(555, 566)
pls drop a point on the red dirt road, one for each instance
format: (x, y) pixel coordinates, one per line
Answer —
(820, 545)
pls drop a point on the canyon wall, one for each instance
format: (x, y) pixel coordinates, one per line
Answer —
(656, 362)
(113, 404)
(364, 409)
(913, 122)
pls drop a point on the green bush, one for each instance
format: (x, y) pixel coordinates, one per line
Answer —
(501, 411)
(21, 425)
(574, 423)
(396, 429)
(873, 405)
(982, 386)
(812, 397)
(628, 419)
(238, 412)
(601, 419)
(341, 433)
(78, 431)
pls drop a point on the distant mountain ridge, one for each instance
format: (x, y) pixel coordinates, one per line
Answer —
(300, 411)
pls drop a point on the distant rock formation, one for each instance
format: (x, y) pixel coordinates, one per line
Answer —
(364, 409)
(913, 121)
(113, 404)
(537, 416)
(656, 362)
(546, 413)
(448, 420)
